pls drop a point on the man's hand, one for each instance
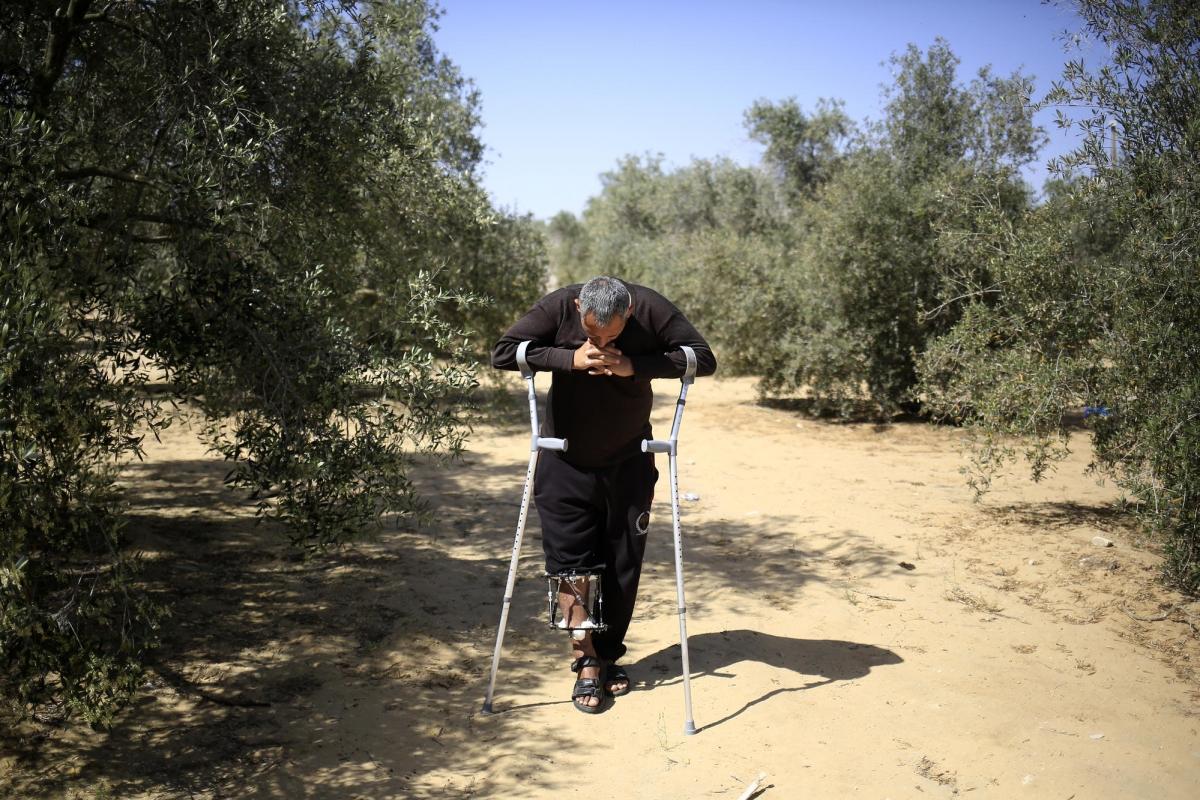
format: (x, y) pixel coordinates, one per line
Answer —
(602, 361)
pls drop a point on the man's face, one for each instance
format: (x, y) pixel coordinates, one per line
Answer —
(602, 335)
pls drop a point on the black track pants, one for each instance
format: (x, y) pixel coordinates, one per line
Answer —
(598, 517)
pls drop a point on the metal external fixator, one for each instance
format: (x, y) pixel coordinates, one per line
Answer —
(537, 443)
(671, 448)
(588, 589)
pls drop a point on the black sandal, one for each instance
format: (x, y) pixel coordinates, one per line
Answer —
(615, 674)
(588, 687)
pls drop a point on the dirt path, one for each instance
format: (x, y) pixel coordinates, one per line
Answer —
(1002, 664)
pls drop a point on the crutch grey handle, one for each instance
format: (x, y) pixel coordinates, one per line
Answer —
(522, 363)
(658, 446)
(548, 443)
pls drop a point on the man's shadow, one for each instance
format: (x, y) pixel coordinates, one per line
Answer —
(713, 653)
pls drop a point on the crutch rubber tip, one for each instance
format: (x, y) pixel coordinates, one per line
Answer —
(487, 708)
(689, 729)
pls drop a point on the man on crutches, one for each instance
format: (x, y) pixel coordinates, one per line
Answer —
(603, 342)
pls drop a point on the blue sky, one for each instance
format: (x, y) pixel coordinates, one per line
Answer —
(569, 87)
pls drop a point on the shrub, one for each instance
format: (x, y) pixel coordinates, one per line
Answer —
(873, 277)
(277, 208)
(1099, 296)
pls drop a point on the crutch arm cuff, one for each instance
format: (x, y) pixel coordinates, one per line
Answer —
(689, 373)
(522, 361)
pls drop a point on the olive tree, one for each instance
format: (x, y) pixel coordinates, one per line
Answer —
(802, 150)
(872, 279)
(270, 209)
(707, 233)
(1094, 301)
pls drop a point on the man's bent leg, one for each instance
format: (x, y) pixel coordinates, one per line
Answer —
(572, 516)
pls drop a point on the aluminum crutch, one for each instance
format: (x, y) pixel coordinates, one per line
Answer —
(671, 448)
(536, 444)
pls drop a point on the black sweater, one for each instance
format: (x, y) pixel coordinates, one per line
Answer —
(604, 418)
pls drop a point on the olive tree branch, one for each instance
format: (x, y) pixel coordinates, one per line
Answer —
(63, 26)
(104, 172)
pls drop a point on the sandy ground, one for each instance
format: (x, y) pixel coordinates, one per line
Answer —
(1002, 662)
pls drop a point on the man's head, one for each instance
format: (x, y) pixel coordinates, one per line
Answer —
(604, 306)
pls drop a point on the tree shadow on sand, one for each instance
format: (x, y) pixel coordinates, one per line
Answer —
(1059, 515)
(280, 677)
(363, 671)
(717, 655)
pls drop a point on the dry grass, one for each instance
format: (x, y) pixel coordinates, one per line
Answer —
(974, 602)
(930, 770)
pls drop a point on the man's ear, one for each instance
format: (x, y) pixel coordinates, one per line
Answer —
(576, 303)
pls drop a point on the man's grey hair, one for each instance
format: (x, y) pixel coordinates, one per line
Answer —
(604, 298)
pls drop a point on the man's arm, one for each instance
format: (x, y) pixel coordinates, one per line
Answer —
(674, 330)
(540, 327)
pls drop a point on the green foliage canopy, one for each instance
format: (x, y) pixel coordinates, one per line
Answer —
(802, 150)
(825, 271)
(1098, 300)
(270, 210)
(877, 280)
(706, 233)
